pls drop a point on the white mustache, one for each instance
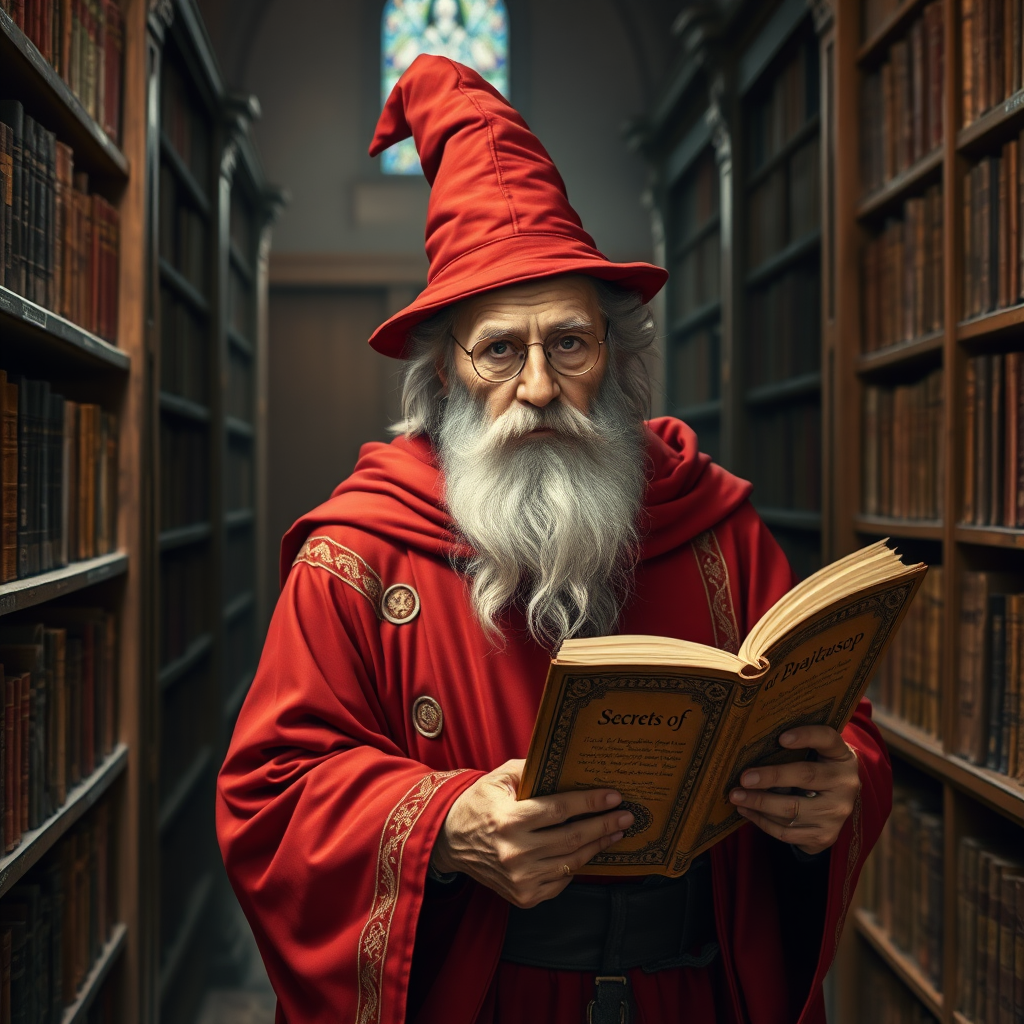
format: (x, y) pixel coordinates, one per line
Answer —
(519, 420)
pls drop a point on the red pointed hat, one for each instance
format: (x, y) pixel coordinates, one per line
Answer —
(498, 212)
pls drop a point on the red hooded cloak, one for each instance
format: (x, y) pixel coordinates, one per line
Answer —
(329, 800)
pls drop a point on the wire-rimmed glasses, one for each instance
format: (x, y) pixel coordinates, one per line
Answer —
(570, 353)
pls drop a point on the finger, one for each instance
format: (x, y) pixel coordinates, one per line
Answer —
(555, 866)
(809, 839)
(813, 776)
(822, 738)
(785, 808)
(568, 838)
(545, 811)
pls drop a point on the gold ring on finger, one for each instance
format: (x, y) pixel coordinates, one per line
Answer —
(566, 870)
(795, 816)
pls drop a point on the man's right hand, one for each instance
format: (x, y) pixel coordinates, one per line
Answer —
(524, 849)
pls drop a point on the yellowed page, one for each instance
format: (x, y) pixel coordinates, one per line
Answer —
(817, 675)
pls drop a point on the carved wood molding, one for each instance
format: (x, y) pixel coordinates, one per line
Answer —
(823, 12)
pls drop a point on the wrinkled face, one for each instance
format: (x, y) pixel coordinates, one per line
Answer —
(533, 313)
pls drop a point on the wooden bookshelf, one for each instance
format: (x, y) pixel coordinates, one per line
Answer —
(744, 240)
(974, 800)
(212, 214)
(41, 344)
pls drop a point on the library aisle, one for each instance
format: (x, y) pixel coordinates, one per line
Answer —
(194, 248)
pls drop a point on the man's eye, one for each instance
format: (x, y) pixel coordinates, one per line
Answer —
(499, 348)
(569, 343)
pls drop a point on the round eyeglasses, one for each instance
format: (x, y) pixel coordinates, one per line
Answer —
(570, 353)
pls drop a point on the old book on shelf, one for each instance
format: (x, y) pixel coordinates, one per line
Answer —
(993, 478)
(902, 882)
(908, 679)
(672, 724)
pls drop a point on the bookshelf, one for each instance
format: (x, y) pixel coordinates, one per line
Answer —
(93, 361)
(850, 151)
(735, 148)
(211, 213)
(778, 347)
(927, 190)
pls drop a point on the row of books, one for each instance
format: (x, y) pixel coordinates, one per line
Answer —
(698, 276)
(59, 242)
(54, 924)
(185, 127)
(901, 102)
(992, 242)
(786, 458)
(786, 207)
(184, 350)
(59, 713)
(239, 474)
(58, 478)
(990, 32)
(902, 883)
(988, 688)
(990, 931)
(184, 588)
(902, 449)
(885, 999)
(184, 473)
(784, 326)
(791, 102)
(902, 275)
(993, 453)
(908, 678)
(694, 203)
(184, 234)
(84, 41)
(696, 368)
(239, 400)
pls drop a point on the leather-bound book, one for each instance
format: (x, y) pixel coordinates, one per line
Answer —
(8, 479)
(970, 429)
(13, 115)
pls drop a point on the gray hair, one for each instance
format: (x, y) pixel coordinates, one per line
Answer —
(631, 332)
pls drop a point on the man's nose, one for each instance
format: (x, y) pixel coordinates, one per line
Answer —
(538, 382)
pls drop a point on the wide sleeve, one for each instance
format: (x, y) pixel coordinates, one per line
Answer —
(324, 823)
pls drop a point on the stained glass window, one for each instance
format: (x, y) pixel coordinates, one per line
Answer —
(473, 32)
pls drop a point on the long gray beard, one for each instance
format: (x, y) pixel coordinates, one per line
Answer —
(552, 519)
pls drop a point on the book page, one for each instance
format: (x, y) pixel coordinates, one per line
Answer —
(644, 734)
(818, 674)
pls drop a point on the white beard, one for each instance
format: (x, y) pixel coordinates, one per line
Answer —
(552, 518)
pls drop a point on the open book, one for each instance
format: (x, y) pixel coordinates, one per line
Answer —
(672, 724)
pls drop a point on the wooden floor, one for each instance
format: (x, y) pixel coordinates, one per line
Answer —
(237, 1006)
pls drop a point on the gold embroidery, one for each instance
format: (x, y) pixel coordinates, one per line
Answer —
(714, 573)
(373, 940)
(344, 563)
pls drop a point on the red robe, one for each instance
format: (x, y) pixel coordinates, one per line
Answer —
(329, 800)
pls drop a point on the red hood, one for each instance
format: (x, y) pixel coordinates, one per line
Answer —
(395, 492)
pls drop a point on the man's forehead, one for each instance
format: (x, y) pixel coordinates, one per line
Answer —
(547, 302)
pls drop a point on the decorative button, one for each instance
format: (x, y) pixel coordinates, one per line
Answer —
(400, 604)
(427, 717)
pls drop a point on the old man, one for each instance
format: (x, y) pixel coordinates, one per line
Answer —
(367, 808)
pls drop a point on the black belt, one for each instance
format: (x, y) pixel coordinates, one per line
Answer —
(608, 929)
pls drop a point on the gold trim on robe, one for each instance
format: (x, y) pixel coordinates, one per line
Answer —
(714, 573)
(326, 553)
(372, 950)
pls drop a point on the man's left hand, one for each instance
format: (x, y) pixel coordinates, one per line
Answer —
(811, 823)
